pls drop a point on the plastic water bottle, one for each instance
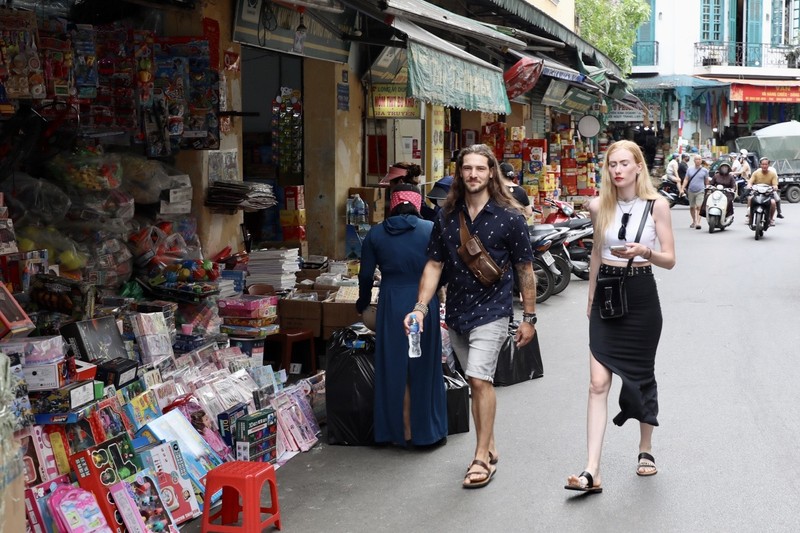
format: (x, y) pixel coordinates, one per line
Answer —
(358, 210)
(414, 341)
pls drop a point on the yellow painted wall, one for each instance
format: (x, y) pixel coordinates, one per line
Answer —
(564, 12)
(333, 153)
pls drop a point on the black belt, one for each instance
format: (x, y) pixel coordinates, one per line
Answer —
(609, 270)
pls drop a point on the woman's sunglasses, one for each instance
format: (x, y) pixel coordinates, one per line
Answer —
(625, 218)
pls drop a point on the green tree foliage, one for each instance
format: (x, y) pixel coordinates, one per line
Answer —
(610, 26)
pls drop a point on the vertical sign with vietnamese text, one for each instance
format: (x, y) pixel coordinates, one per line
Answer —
(437, 144)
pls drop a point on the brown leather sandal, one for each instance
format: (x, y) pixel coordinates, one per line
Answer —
(488, 475)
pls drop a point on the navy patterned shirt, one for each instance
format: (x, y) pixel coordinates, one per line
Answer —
(504, 234)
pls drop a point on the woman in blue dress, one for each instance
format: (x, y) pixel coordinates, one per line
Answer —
(410, 400)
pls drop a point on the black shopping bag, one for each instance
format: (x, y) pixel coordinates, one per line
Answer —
(350, 387)
(515, 365)
(457, 404)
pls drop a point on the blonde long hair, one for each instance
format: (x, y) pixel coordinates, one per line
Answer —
(608, 190)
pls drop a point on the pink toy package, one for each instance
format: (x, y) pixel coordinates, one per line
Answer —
(38, 460)
(40, 520)
(75, 510)
(140, 503)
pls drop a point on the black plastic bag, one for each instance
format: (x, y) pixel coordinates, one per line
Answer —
(350, 387)
(515, 365)
(457, 404)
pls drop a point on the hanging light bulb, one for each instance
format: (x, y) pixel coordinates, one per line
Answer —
(300, 35)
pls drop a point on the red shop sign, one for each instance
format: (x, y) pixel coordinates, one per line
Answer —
(522, 77)
(759, 93)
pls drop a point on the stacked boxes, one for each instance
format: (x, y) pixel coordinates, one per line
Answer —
(256, 436)
(19, 268)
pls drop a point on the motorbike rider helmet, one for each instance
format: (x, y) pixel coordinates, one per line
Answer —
(724, 168)
(743, 152)
(685, 156)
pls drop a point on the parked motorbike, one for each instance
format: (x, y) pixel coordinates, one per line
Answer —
(760, 208)
(560, 211)
(669, 190)
(546, 240)
(578, 245)
(716, 208)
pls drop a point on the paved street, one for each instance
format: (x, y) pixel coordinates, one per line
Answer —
(727, 370)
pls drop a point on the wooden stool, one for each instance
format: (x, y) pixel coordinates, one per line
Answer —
(287, 338)
(245, 479)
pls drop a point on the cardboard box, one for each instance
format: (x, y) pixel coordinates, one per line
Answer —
(95, 340)
(294, 197)
(180, 189)
(337, 315)
(67, 398)
(118, 371)
(301, 314)
(8, 240)
(35, 350)
(293, 217)
(375, 198)
(46, 377)
(13, 320)
(175, 208)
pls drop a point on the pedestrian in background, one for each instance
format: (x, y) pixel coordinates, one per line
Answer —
(695, 184)
(410, 398)
(625, 346)
(509, 176)
(477, 316)
(683, 166)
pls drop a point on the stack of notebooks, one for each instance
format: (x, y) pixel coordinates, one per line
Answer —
(249, 196)
(273, 267)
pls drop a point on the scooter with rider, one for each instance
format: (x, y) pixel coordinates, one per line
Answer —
(718, 202)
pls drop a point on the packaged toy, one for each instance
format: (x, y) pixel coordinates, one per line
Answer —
(141, 506)
(40, 519)
(76, 510)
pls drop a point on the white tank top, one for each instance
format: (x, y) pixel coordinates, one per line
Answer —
(636, 208)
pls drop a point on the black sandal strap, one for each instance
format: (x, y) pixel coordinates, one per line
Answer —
(647, 456)
(589, 479)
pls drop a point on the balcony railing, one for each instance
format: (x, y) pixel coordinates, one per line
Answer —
(645, 54)
(709, 54)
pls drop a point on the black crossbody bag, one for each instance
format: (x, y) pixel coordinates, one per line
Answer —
(612, 289)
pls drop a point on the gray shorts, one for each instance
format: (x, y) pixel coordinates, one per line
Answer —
(695, 198)
(479, 348)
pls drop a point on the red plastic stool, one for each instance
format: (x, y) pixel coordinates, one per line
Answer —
(287, 338)
(245, 479)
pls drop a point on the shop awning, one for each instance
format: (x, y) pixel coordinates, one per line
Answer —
(541, 20)
(428, 14)
(443, 74)
(672, 81)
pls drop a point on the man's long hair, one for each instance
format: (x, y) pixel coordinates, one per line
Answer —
(497, 189)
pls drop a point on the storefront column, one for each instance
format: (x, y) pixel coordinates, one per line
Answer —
(333, 151)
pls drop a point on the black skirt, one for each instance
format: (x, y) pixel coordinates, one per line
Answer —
(627, 347)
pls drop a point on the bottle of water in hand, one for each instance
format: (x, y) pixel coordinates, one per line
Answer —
(414, 341)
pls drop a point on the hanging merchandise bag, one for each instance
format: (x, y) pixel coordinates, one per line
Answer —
(350, 386)
(515, 365)
(457, 403)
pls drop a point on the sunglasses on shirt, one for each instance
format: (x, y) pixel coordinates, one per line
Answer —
(622, 233)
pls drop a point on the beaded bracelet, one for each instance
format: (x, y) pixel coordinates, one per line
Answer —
(422, 308)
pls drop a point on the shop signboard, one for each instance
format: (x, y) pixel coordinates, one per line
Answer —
(555, 93)
(577, 100)
(626, 114)
(437, 144)
(391, 101)
(758, 93)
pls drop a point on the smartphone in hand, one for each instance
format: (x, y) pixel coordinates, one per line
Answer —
(619, 248)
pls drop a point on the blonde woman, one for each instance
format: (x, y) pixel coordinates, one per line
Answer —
(625, 346)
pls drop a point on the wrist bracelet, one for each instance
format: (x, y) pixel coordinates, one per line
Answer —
(524, 314)
(422, 308)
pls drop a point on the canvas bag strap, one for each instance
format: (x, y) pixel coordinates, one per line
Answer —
(647, 209)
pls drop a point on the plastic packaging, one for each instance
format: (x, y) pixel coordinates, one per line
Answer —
(350, 387)
(414, 339)
(358, 211)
